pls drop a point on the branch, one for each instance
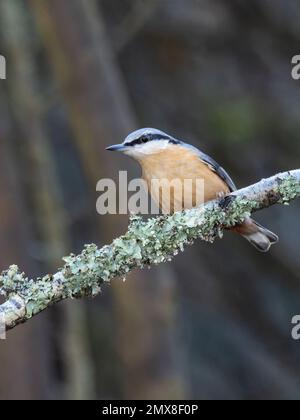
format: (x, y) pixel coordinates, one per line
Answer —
(154, 241)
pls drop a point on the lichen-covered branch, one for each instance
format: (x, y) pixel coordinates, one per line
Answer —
(146, 243)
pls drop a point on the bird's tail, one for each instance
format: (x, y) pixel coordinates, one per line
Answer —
(257, 235)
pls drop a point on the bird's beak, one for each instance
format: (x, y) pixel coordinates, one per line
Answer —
(116, 148)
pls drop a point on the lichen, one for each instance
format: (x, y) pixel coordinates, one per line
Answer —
(13, 281)
(288, 189)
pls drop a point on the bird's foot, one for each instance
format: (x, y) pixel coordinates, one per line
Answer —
(225, 201)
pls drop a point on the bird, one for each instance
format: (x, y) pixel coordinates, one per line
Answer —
(163, 157)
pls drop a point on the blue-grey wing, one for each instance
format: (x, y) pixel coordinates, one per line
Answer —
(219, 170)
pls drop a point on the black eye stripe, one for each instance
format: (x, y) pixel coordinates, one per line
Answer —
(174, 141)
(152, 137)
(158, 137)
(141, 140)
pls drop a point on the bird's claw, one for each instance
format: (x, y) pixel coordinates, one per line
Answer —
(225, 201)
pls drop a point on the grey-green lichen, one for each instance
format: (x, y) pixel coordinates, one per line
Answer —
(288, 189)
(146, 243)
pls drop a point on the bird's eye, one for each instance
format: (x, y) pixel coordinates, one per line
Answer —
(143, 139)
(140, 140)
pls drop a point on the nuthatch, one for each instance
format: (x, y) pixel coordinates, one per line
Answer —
(161, 156)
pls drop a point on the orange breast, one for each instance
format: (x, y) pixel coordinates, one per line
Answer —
(180, 166)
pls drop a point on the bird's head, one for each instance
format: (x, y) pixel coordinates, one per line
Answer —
(144, 142)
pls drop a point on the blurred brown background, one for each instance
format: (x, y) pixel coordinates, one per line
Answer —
(82, 74)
